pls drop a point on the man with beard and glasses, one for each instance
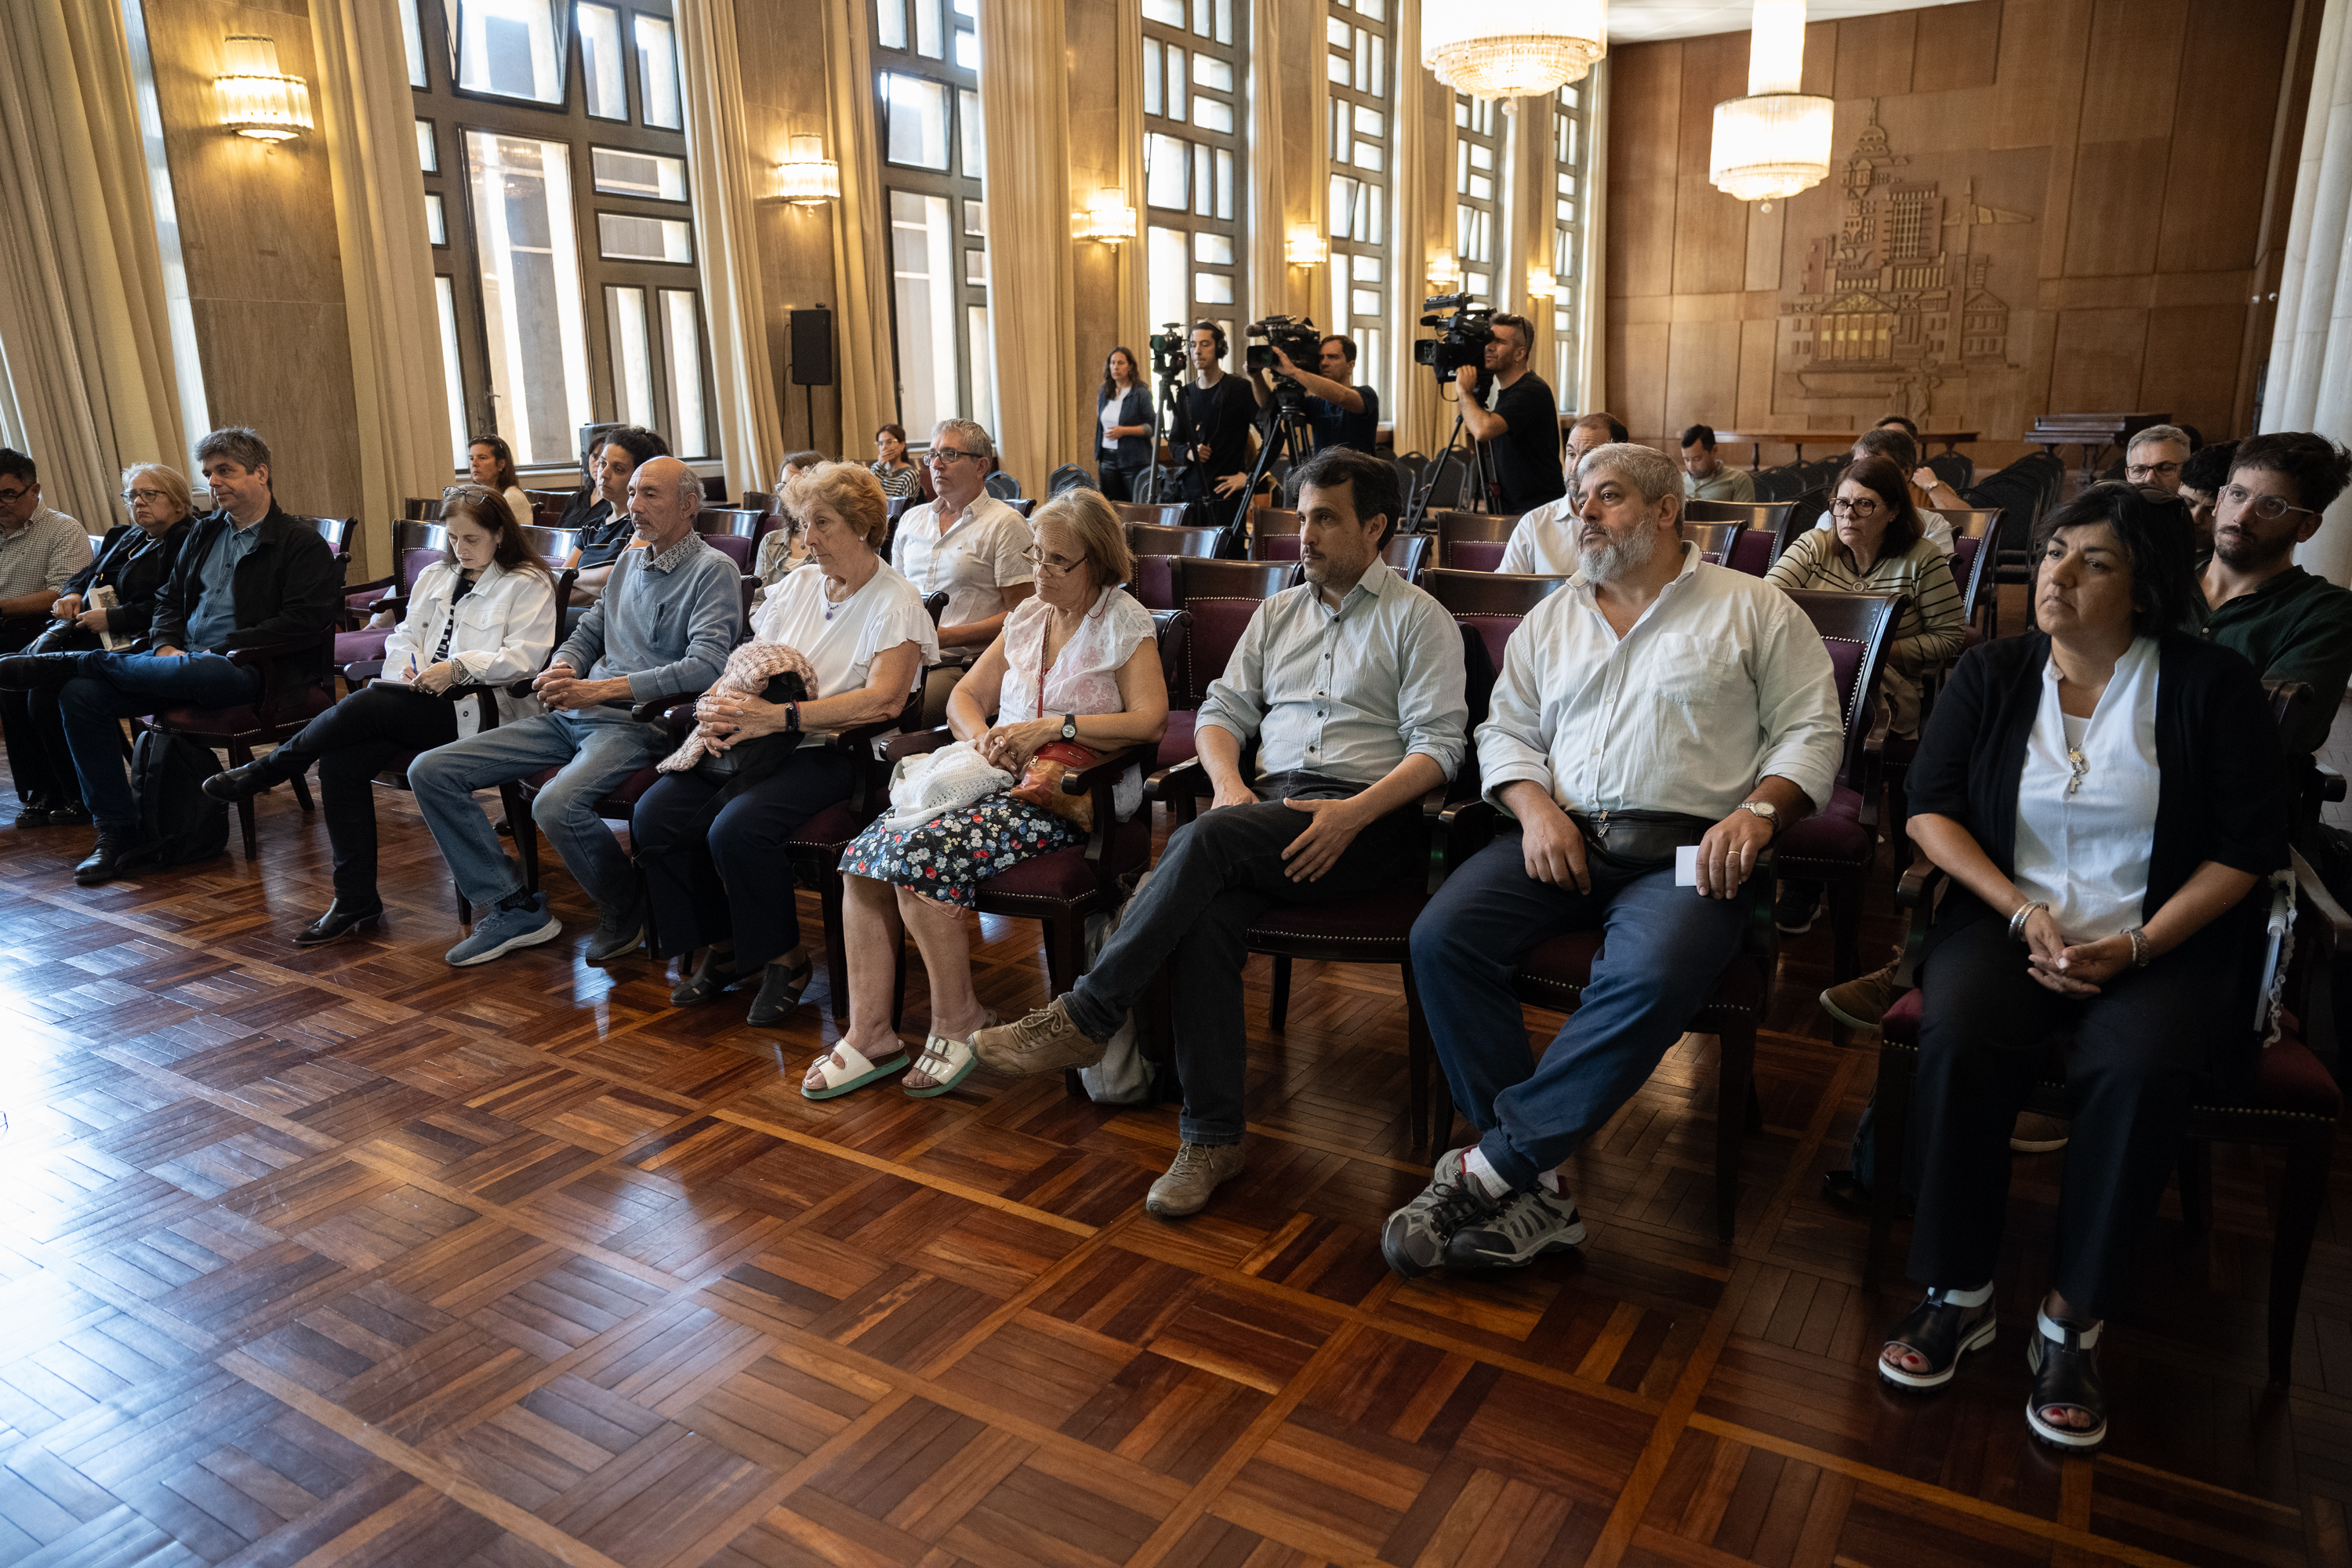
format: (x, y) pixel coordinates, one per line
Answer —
(1351, 685)
(1654, 703)
(2252, 598)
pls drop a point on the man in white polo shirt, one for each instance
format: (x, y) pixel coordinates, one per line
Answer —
(967, 543)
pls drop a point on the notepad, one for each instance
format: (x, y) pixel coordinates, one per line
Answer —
(1687, 865)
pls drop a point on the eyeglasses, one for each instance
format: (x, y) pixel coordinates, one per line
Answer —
(2139, 472)
(132, 498)
(1863, 508)
(1054, 565)
(2270, 509)
(944, 455)
(10, 497)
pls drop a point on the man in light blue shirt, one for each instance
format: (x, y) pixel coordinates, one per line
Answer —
(1351, 684)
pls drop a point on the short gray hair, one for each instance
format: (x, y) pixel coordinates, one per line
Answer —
(2154, 434)
(240, 444)
(971, 430)
(1648, 470)
(168, 479)
(689, 492)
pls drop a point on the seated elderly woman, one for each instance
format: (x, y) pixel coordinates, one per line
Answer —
(1077, 662)
(712, 846)
(2103, 793)
(484, 614)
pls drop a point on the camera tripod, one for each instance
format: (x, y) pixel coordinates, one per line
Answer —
(1288, 434)
(1416, 515)
(1170, 408)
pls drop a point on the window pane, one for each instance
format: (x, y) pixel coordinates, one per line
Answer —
(1212, 114)
(975, 269)
(1225, 21)
(1166, 275)
(1367, 304)
(916, 113)
(890, 23)
(923, 278)
(1216, 249)
(600, 62)
(444, 294)
(1152, 67)
(624, 174)
(633, 364)
(413, 37)
(1168, 11)
(975, 145)
(1368, 155)
(929, 39)
(967, 53)
(658, 71)
(1335, 67)
(983, 377)
(1225, 183)
(1366, 269)
(508, 47)
(1166, 162)
(1175, 82)
(1370, 122)
(682, 332)
(1210, 72)
(1213, 288)
(1204, 185)
(975, 217)
(436, 220)
(620, 236)
(429, 153)
(530, 292)
(1337, 32)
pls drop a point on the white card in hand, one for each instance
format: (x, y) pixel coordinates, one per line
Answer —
(1687, 865)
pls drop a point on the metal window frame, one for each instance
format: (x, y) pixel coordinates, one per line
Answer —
(1345, 98)
(963, 181)
(1200, 37)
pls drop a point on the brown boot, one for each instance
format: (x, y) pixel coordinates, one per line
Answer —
(1045, 1041)
(1860, 1003)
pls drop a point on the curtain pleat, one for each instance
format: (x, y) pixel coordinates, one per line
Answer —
(862, 367)
(1419, 203)
(2310, 380)
(1024, 107)
(1269, 275)
(1591, 391)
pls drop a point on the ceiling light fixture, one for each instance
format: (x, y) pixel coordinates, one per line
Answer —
(1512, 48)
(1775, 141)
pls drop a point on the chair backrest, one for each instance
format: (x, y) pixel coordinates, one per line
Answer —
(423, 509)
(1779, 482)
(770, 522)
(430, 536)
(554, 545)
(714, 520)
(1003, 485)
(1273, 521)
(761, 501)
(1751, 551)
(1167, 514)
(1488, 603)
(1453, 526)
(1969, 522)
(97, 543)
(1154, 582)
(1069, 477)
(749, 587)
(1274, 547)
(897, 506)
(1220, 597)
(1025, 505)
(935, 605)
(1174, 631)
(1972, 567)
(338, 531)
(1803, 513)
(736, 547)
(1857, 629)
(1714, 537)
(1747, 513)
(1406, 554)
(1150, 539)
(1954, 468)
(414, 564)
(1473, 554)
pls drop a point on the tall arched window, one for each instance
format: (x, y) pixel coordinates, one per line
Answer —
(1477, 194)
(1570, 142)
(1363, 148)
(1195, 77)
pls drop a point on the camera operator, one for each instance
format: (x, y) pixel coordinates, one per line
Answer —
(1519, 419)
(1222, 411)
(1341, 413)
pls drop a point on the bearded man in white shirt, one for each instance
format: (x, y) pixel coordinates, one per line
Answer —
(1655, 703)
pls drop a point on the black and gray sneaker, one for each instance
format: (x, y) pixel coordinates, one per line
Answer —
(1413, 1240)
(1523, 1227)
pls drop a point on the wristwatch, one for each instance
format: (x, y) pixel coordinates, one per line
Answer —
(1765, 809)
(1069, 726)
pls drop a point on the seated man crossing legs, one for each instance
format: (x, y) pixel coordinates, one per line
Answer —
(1655, 701)
(1351, 683)
(663, 628)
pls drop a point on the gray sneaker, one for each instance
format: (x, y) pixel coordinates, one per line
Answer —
(1045, 1041)
(1526, 1227)
(619, 932)
(1198, 1171)
(499, 932)
(1413, 1240)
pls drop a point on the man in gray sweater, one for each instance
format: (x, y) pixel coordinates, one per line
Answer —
(663, 627)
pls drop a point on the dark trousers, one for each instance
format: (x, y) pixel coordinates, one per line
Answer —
(1218, 874)
(112, 687)
(37, 763)
(1663, 948)
(731, 881)
(2141, 1046)
(1117, 483)
(352, 741)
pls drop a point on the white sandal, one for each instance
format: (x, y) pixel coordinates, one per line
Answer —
(852, 1072)
(947, 1061)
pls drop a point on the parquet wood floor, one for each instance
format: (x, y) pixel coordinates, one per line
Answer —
(346, 1257)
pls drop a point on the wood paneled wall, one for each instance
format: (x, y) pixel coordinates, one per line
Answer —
(2033, 206)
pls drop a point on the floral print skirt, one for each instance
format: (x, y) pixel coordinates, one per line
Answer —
(948, 858)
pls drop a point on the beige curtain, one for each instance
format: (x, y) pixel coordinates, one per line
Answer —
(1269, 267)
(1527, 226)
(1591, 389)
(861, 257)
(722, 169)
(87, 381)
(1024, 109)
(2310, 385)
(1134, 272)
(1421, 205)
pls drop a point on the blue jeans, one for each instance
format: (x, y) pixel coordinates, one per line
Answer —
(112, 687)
(594, 753)
(1662, 950)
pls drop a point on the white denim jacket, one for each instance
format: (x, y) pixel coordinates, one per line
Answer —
(505, 625)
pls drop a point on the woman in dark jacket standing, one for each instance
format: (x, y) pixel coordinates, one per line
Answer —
(1123, 426)
(2105, 793)
(134, 562)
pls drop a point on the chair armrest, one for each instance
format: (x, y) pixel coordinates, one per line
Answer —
(1916, 893)
(2322, 929)
(2331, 781)
(1873, 762)
(1106, 770)
(1761, 939)
(372, 585)
(1463, 827)
(918, 742)
(264, 657)
(362, 671)
(648, 712)
(1182, 787)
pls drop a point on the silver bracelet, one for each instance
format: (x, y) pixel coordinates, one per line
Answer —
(2017, 920)
(2141, 955)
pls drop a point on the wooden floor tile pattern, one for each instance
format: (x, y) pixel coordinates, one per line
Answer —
(347, 1258)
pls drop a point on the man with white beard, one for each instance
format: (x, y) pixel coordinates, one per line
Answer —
(1654, 703)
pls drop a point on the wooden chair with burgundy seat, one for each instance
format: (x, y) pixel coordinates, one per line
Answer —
(1715, 540)
(1218, 598)
(715, 522)
(1453, 526)
(276, 714)
(1752, 551)
(362, 600)
(1162, 514)
(2294, 1102)
(1471, 555)
(1407, 554)
(1767, 515)
(1490, 603)
(1969, 522)
(1155, 549)
(740, 548)
(1838, 843)
(363, 642)
(340, 534)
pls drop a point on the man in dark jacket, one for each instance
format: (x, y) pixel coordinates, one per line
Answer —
(249, 576)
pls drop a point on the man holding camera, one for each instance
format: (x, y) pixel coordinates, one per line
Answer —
(1339, 412)
(1220, 411)
(1519, 419)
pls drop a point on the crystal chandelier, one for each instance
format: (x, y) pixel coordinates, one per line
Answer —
(255, 99)
(1512, 48)
(1775, 141)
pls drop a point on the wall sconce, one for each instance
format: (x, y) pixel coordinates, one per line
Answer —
(1444, 273)
(1106, 220)
(1541, 284)
(256, 100)
(807, 178)
(1307, 247)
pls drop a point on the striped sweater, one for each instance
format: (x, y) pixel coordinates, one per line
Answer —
(1930, 630)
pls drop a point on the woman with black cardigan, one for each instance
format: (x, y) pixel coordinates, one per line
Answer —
(2105, 793)
(1123, 421)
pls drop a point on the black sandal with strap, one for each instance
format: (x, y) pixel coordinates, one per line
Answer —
(1942, 1332)
(779, 993)
(2065, 1364)
(714, 974)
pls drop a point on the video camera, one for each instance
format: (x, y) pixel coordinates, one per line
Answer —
(1461, 340)
(1296, 337)
(1171, 351)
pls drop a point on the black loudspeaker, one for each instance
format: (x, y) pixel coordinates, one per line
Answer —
(813, 347)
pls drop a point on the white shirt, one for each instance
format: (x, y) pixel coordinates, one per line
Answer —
(2086, 854)
(1107, 417)
(880, 616)
(1722, 681)
(1544, 543)
(506, 624)
(979, 556)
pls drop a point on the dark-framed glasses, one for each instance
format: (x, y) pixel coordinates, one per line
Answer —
(1054, 565)
(2140, 473)
(1865, 507)
(945, 455)
(2270, 509)
(133, 497)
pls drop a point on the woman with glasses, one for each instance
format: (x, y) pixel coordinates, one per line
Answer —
(900, 479)
(132, 565)
(491, 462)
(483, 616)
(2105, 791)
(1077, 662)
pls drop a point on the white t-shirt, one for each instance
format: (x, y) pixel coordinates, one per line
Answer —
(1544, 543)
(2086, 853)
(1108, 417)
(1085, 674)
(841, 646)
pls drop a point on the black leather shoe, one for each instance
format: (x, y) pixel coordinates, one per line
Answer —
(779, 993)
(104, 863)
(33, 813)
(29, 671)
(715, 973)
(73, 813)
(340, 920)
(251, 779)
